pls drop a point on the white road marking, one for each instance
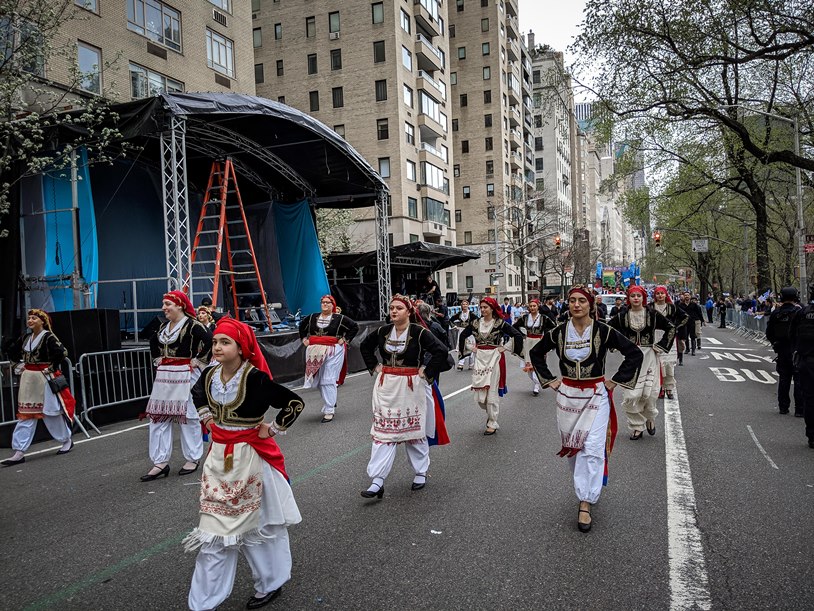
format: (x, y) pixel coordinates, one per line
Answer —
(713, 341)
(760, 447)
(689, 583)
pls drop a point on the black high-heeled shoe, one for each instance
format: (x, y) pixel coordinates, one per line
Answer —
(256, 603)
(636, 435)
(584, 527)
(369, 494)
(147, 477)
(651, 427)
(185, 471)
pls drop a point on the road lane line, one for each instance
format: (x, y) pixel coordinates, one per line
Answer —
(760, 447)
(689, 583)
(712, 340)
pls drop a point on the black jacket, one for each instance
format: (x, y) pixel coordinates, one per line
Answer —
(420, 341)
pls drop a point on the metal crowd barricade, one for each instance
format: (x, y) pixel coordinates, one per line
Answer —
(747, 325)
(114, 377)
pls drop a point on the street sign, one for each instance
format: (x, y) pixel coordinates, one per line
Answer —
(809, 248)
(497, 275)
(701, 245)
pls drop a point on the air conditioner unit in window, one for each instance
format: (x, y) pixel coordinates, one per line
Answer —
(334, 35)
(220, 18)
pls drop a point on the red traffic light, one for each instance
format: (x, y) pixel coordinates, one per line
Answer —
(657, 238)
(557, 241)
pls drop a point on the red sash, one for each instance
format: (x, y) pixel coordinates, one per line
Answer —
(65, 398)
(399, 371)
(266, 448)
(534, 336)
(36, 366)
(329, 340)
(171, 360)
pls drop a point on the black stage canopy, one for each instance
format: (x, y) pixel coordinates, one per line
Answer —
(423, 256)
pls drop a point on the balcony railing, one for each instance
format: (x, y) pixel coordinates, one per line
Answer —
(437, 84)
(442, 154)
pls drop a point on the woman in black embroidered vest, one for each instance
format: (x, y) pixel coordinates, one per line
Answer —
(41, 354)
(461, 321)
(246, 500)
(403, 408)
(665, 306)
(326, 335)
(536, 324)
(180, 350)
(585, 415)
(489, 375)
(640, 326)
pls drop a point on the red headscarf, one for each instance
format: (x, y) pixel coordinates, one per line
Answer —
(490, 301)
(406, 301)
(637, 289)
(245, 338)
(180, 299)
(663, 289)
(535, 300)
(330, 298)
(588, 294)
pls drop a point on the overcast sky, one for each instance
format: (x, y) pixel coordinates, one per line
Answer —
(555, 22)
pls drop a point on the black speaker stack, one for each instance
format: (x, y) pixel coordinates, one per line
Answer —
(83, 331)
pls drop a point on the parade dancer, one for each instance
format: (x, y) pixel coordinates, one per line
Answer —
(246, 499)
(585, 415)
(639, 325)
(326, 336)
(41, 355)
(665, 306)
(535, 324)
(489, 375)
(180, 350)
(460, 321)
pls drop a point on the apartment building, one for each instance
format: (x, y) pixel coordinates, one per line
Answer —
(133, 49)
(377, 73)
(493, 169)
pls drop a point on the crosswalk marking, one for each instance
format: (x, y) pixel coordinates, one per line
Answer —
(713, 341)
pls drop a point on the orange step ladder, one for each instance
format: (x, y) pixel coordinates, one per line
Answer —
(223, 224)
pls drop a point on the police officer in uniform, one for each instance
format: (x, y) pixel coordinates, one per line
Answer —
(802, 330)
(777, 332)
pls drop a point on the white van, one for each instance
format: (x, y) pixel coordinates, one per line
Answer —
(609, 299)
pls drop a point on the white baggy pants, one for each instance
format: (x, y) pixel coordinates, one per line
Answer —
(382, 456)
(588, 466)
(24, 431)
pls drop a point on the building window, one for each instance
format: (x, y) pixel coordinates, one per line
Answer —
(538, 121)
(340, 129)
(382, 129)
(535, 77)
(413, 238)
(259, 76)
(492, 258)
(257, 36)
(488, 143)
(467, 192)
(384, 167)
(146, 83)
(469, 282)
(458, 215)
(220, 53)
(312, 63)
(91, 5)
(412, 207)
(409, 132)
(381, 90)
(406, 58)
(408, 96)
(485, 48)
(538, 143)
(278, 31)
(89, 64)
(452, 31)
(377, 10)
(467, 237)
(463, 99)
(333, 22)
(281, 99)
(461, 52)
(484, 3)
(156, 21)
(336, 59)
(338, 97)
(490, 213)
(280, 71)
(411, 170)
(538, 164)
(456, 170)
(405, 22)
(378, 51)
(453, 78)
(390, 241)
(487, 73)
(464, 146)
(487, 120)
(449, 279)
(490, 235)
(487, 96)
(310, 27)
(490, 166)
(225, 5)
(484, 24)
(313, 100)
(455, 125)
(490, 189)
(459, 5)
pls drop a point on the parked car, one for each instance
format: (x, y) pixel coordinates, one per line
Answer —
(609, 299)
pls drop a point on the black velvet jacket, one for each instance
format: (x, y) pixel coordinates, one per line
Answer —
(193, 342)
(603, 338)
(456, 321)
(675, 315)
(543, 324)
(646, 337)
(500, 330)
(340, 327)
(49, 350)
(420, 342)
(256, 393)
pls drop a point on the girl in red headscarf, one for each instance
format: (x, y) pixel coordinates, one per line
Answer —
(665, 306)
(585, 415)
(246, 500)
(536, 324)
(489, 375)
(641, 325)
(405, 359)
(180, 350)
(326, 336)
(41, 355)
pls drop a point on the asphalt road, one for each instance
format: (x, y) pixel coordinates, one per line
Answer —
(696, 517)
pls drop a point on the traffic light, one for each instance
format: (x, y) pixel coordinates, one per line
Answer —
(557, 242)
(657, 238)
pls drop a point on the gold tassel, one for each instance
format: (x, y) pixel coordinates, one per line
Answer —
(228, 462)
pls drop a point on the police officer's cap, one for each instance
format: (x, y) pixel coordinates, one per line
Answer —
(789, 293)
